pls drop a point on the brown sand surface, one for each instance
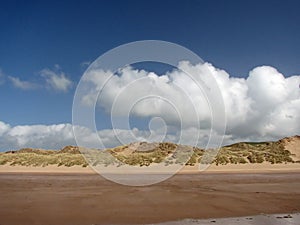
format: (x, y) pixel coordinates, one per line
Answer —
(85, 198)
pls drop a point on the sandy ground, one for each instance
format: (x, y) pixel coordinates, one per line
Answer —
(263, 219)
(240, 168)
(46, 169)
(246, 168)
(87, 198)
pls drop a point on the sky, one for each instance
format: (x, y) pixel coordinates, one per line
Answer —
(251, 48)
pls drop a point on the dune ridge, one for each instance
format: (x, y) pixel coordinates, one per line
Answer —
(283, 151)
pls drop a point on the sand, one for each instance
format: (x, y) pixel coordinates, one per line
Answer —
(47, 169)
(246, 168)
(87, 198)
(229, 168)
(292, 144)
(262, 219)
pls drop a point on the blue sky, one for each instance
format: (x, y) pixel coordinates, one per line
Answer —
(60, 36)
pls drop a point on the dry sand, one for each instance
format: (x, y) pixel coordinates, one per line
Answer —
(46, 169)
(78, 196)
(292, 144)
(246, 168)
(229, 168)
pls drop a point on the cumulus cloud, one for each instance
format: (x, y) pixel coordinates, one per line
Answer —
(60, 135)
(36, 136)
(3, 128)
(56, 80)
(24, 85)
(263, 105)
(146, 94)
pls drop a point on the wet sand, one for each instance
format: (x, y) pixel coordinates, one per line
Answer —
(78, 198)
(262, 219)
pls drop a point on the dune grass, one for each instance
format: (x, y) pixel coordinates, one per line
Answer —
(169, 153)
(34, 159)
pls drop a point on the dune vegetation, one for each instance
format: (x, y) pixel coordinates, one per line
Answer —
(68, 156)
(144, 154)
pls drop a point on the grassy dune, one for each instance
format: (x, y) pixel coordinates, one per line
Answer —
(144, 154)
(68, 156)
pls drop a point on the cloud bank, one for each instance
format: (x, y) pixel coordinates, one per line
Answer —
(263, 106)
(60, 135)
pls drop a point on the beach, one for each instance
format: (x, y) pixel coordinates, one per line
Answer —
(80, 196)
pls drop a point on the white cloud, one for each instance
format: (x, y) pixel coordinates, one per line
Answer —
(3, 128)
(263, 105)
(24, 85)
(60, 135)
(37, 136)
(56, 80)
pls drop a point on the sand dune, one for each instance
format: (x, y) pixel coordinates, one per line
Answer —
(292, 144)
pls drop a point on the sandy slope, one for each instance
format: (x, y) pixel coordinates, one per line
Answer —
(293, 145)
